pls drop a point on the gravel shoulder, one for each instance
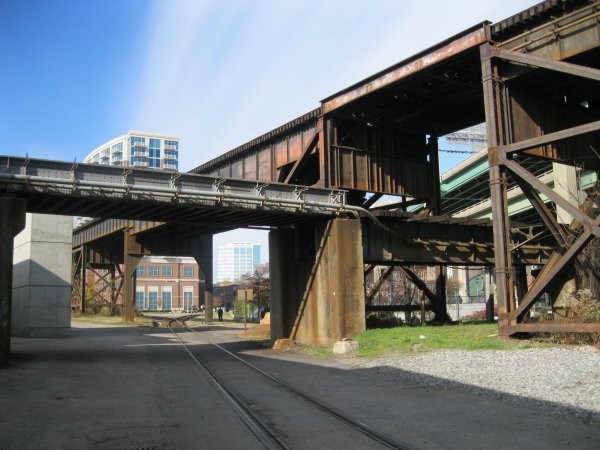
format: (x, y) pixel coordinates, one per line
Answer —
(561, 381)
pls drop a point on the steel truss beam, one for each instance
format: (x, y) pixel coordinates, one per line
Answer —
(438, 300)
(544, 212)
(543, 63)
(112, 282)
(500, 152)
(301, 161)
(382, 279)
(78, 279)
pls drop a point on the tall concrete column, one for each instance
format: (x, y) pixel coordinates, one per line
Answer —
(12, 221)
(317, 297)
(41, 296)
(202, 250)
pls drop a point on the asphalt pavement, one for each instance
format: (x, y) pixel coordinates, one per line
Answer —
(137, 388)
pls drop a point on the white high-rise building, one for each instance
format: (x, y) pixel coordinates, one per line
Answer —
(138, 149)
(236, 259)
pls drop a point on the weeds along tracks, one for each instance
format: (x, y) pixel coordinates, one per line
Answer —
(278, 414)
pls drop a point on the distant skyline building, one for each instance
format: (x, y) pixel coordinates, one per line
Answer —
(236, 259)
(138, 149)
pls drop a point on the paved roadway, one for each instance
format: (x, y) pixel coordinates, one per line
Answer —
(137, 388)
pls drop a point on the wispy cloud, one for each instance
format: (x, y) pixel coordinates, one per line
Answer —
(221, 73)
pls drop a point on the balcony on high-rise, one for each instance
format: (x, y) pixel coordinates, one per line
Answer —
(140, 152)
(170, 155)
(139, 163)
(169, 165)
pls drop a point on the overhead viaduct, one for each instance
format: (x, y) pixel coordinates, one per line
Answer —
(533, 78)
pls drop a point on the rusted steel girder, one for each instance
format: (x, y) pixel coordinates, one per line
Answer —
(568, 30)
(100, 228)
(406, 68)
(544, 63)
(441, 243)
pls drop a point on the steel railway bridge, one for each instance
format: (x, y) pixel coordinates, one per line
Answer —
(533, 78)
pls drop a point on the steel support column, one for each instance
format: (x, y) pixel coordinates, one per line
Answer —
(441, 276)
(132, 255)
(203, 254)
(500, 218)
(12, 221)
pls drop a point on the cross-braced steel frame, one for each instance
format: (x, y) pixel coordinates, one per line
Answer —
(568, 146)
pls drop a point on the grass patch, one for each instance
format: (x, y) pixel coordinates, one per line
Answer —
(321, 352)
(110, 320)
(482, 336)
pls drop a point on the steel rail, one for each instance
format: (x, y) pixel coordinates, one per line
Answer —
(361, 427)
(254, 424)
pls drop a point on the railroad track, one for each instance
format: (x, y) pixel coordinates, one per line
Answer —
(280, 415)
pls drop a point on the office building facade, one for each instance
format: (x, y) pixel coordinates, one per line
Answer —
(236, 259)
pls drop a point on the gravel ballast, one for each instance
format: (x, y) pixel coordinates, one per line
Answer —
(561, 381)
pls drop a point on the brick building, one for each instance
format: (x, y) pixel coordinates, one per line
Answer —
(165, 283)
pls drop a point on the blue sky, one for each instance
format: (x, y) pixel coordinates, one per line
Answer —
(77, 73)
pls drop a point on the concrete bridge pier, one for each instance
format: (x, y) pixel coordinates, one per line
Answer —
(317, 282)
(12, 221)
